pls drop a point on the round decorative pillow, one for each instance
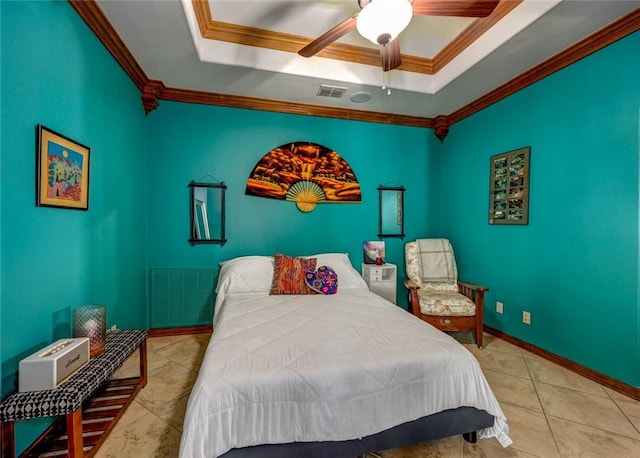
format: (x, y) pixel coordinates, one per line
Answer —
(324, 280)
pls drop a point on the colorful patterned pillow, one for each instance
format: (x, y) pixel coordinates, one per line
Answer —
(288, 274)
(324, 280)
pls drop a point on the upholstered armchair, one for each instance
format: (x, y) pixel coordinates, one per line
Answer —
(435, 294)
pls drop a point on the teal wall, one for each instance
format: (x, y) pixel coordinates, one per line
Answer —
(55, 72)
(575, 265)
(189, 141)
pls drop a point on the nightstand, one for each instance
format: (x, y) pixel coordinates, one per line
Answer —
(381, 280)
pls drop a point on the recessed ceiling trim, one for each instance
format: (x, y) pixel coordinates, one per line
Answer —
(217, 42)
(520, 17)
(283, 106)
(604, 37)
(250, 36)
(95, 19)
(474, 31)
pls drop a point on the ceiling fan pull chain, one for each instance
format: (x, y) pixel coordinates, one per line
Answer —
(384, 85)
(386, 82)
(386, 75)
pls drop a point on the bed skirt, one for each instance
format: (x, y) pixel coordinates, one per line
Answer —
(448, 423)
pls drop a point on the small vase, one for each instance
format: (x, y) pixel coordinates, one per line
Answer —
(91, 321)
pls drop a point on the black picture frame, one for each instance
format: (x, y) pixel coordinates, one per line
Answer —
(207, 213)
(62, 171)
(391, 212)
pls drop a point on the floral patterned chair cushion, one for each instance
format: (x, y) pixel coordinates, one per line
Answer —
(445, 303)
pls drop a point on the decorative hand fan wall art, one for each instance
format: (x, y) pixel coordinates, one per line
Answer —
(381, 21)
(305, 173)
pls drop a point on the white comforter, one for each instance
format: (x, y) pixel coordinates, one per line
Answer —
(282, 369)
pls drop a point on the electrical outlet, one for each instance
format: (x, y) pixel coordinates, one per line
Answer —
(526, 317)
(499, 307)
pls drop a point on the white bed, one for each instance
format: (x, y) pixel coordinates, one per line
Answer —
(313, 368)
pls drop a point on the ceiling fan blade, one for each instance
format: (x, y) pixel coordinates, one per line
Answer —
(469, 8)
(390, 54)
(329, 37)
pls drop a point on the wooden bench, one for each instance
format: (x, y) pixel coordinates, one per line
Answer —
(88, 394)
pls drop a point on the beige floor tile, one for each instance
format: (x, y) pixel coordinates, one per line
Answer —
(530, 432)
(148, 437)
(156, 343)
(134, 412)
(155, 361)
(492, 343)
(577, 440)
(449, 448)
(491, 448)
(466, 338)
(165, 384)
(130, 367)
(187, 352)
(615, 395)
(503, 362)
(173, 411)
(517, 391)
(553, 374)
(629, 406)
(585, 408)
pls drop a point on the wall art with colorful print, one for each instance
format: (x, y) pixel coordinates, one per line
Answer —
(62, 167)
(305, 173)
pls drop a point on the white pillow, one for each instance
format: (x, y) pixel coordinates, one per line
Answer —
(348, 277)
(254, 274)
(246, 274)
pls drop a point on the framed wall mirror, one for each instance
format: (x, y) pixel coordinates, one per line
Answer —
(207, 213)
(391, 211)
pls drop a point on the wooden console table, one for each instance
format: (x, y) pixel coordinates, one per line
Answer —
(88, 394)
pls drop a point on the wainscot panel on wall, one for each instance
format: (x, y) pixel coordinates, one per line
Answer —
(575, 265)
(189, 141)
(53, 260)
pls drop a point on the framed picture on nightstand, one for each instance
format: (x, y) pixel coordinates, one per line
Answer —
(373, 251)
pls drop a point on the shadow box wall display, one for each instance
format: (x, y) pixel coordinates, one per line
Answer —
(509, 187)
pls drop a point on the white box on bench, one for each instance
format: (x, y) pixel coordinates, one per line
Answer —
(47, 368)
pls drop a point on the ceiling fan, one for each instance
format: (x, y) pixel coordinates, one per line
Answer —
(381, 21)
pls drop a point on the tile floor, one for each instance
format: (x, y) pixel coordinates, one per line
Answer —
(552, 412)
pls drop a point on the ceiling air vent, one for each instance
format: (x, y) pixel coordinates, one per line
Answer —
(331, 91)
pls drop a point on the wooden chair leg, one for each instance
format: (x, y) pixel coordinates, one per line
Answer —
(479, 331)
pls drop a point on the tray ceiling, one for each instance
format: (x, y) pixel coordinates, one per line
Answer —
(248, 48)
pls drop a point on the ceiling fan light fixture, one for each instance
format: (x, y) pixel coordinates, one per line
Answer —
(381, 21)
